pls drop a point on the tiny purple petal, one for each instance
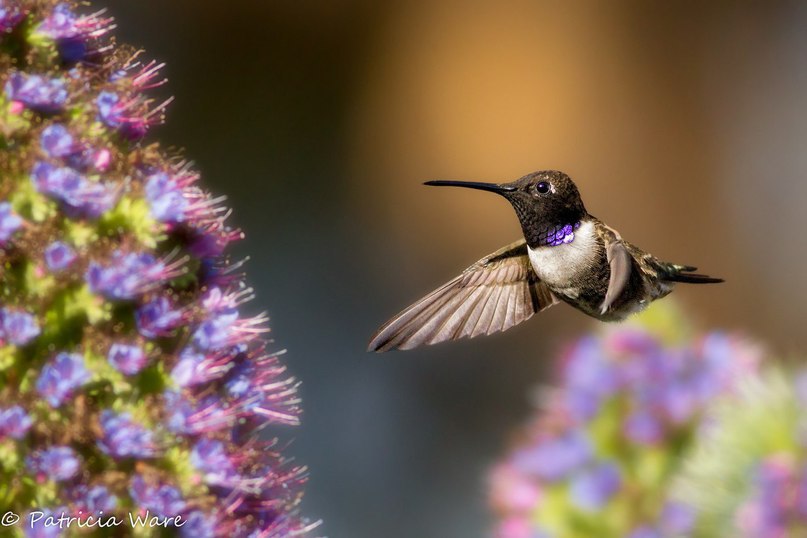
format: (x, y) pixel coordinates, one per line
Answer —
(123, 438)
(107, 108)
(556, 458)
(71, 32)
(38, 527)
(126, 358)
(643, 428)
(10, 16)
(217, 331)
(163, 500)
(678, 519)
(157, 318)
(122, 115)
(61, 377)
(210, 457)
(592, 488)
(60, 23)
(207, 415)
(57, 463)
(59, 256)
(56, 141)
(81, 196)
(93, 500)
(14, 422)
(198, 525)
(9, 222)
(194, 368)
(36, 92)
(645, 532)
(126, 275)
(165, 197)
(18, 327)
(681, 401)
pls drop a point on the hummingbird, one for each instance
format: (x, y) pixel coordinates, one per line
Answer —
(566, 255)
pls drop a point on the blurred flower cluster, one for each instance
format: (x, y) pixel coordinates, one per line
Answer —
(748, 473)
(130, 380)
(600, 457)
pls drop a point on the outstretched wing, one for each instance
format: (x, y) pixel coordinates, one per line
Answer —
(495, 293)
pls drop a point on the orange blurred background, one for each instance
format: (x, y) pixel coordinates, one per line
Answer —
(682, 123)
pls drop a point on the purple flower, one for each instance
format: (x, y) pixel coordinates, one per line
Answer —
(642, 427)
(207, 415)
(681, 400)
(212, 242)
(591, 378)
(645, 531)
(778, 502)
(180, 413)
(92, 500)
(14, 422)
(169, 420)
(162, 500)
(60, 23)
(157, 318)
(223, 328)
(58, 256)
(678, 519)
(17, 327)
(217, 331)
(80, 195)
(38, 527)
(555, 458)
(109, 111)
(72, 33)
(9, 222)
(194, 368)
(56, 141)
(588, 446)
(211, 458)
(37, 92)
(123, 114)
(10, 16)
(241, 383)
(166, 198)
(58, 463)
(126, 358)
(61, 377)
(126, 275)
(123, 438)
(632, 342)
(592, 488)
(198, 526)
(254, 389)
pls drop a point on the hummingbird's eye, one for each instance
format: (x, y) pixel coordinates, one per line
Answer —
(542, 187)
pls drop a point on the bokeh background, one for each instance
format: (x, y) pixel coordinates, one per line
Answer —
(684, 125)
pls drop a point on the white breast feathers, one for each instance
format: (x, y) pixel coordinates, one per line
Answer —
(559, 264)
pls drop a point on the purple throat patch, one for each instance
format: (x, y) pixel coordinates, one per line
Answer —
(559, 235)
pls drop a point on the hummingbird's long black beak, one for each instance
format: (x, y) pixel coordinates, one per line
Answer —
(490, 187)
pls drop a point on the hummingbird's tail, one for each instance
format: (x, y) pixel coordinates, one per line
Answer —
(684, 273)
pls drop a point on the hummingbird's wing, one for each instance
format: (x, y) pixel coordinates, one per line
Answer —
(495, 293)
(621, 264)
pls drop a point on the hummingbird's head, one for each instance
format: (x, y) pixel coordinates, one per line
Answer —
(542, 200)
